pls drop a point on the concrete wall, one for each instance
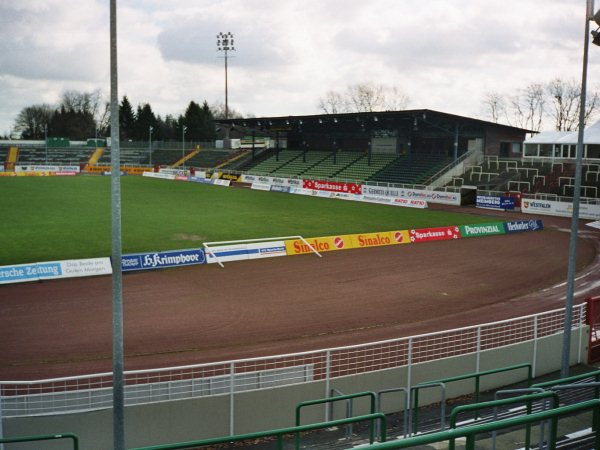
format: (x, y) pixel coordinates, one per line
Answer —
(186, 420)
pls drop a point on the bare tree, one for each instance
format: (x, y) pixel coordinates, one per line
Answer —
(564, 98)
(527, 107)
(363, 97)
(496, 105)
(332, 103)
(218, 112)
(32, 120)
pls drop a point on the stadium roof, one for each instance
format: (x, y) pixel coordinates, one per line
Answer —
(591, 135)
(411, 118)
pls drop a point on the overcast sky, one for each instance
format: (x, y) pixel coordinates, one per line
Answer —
(444, 54)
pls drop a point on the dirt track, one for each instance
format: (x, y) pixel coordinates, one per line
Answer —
(281, 305)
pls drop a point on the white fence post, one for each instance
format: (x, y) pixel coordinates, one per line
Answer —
(327, 382)
(478, 357)
(535, 345)
(231, 399)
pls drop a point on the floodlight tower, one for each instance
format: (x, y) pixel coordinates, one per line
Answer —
(225, 44)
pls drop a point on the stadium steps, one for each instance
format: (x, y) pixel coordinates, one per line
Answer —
(328, 168)
(274, 163)
(95, 156)
(303, 163)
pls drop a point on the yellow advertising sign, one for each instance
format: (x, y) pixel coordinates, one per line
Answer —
(320, 244)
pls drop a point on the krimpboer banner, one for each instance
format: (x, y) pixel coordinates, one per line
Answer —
(161, 260)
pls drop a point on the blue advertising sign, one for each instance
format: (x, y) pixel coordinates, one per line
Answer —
(493, 202)
(278, 188)
(29, 272)
(159, 260)
(201, 180)
(523, 225)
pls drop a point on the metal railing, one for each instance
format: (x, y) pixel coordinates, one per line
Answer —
(91, 392)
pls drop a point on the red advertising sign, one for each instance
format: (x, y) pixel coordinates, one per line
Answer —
(332, 186)
(434, 234)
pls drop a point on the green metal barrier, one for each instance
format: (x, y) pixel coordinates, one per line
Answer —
(340, 398)
(42, 437)
(278, 433)
(477, 376)
(470, 432)
(572, 379)
(528, 399)
(568, 380)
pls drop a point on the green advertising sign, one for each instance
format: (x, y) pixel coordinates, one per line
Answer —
(482, 229)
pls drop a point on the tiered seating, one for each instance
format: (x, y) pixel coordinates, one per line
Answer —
(3, 155)
(129, 157)
(210, 158)
(32, 155)
(362, 170)
(412, 169)
(301, 164)
(328, 168)
(273, 163)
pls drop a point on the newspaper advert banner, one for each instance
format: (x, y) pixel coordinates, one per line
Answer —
(493, 202)
(55, 269)
(332, 186)
(434, 234)
(320, 244)
(482, 229)
(520, 226)
(160, 260)
(561, 209)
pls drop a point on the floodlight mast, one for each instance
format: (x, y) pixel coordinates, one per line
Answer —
(225, 44)
(572, 263)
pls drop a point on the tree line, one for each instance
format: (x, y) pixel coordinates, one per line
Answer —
(84, 115)
(536, 105)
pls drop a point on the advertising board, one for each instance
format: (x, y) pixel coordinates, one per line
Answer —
(279, 188)
(434, 234)
(260, 186)
(494, 202)
(222, 182)
(441, 197)
(520, 226)
(332, 186)
(202, 180)
(161, 260)
(47, 168)
(482, 229)
(55, 269)
(562, 209)
(162, 175)
(243, 251)
(320, 244)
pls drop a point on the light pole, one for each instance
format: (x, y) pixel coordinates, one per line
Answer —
(150, 143)
(225, 44)
(183, 130)
(572, 266)
(46, 141)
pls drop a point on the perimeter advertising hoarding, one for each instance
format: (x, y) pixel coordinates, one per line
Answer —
(347, 241)
(520, 226)
(242, 251)
(164, 176)
(482, 229)
(332, 186)
(562, 209)
(55, 269)
(320, 244)
(161, 260)
(493, 202)
(434, 234)
(441, 197)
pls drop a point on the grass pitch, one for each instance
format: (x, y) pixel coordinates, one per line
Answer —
(57, 218)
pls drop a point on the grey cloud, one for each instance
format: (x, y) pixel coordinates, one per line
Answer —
(195, 42)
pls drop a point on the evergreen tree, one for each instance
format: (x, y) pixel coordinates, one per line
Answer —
(144, 120)
(126, 119)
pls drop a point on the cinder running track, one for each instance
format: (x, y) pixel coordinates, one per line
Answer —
(282, 305)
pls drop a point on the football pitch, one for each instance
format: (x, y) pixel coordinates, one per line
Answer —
(57, 218)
